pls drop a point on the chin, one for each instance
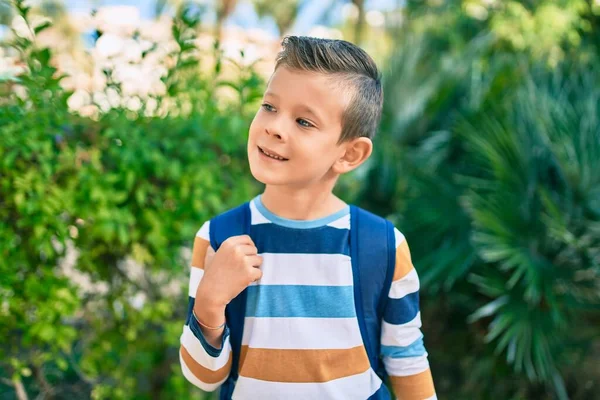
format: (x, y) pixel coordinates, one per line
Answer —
(265, 178)
(259, 173)
(259, 178)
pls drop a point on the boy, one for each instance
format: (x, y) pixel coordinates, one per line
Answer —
(301, 337)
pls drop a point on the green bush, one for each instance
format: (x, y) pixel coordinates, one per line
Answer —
(487, 160)
(116, 200)
(485, 163)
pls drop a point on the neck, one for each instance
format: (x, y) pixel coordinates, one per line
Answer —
(305, 203)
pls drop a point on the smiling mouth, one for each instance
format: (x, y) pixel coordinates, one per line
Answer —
(273, 156)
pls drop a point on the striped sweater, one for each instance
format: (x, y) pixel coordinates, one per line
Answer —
(301, 336)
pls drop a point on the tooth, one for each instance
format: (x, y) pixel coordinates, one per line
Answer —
(273, 156)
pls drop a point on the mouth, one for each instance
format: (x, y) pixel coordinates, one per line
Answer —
(270, 154)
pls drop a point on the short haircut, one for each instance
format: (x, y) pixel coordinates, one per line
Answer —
(357, 72)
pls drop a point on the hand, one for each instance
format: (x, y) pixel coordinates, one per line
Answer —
(232, 268)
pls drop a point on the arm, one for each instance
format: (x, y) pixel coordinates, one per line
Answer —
(204, 355)
(402, 348)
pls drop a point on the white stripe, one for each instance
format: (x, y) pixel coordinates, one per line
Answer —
(196, 275)
(434, 397)
(256, 216)
(399, 237)
(401, 335)
(194, 347)
(406, 366)
(359, 387)
(306, 269)
(195, 381)
(341, 223)
(408, 284)
(204, 231)
(301, 333)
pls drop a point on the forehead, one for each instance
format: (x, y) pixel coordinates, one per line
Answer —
(320, 92)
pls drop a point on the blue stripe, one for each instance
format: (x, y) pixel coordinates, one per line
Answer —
(403, 310)
(190, 308)
(415, 349)
(300, 301)
(272, 238)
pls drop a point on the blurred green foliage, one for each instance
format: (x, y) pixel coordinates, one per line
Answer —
(110, 194)
(283, 12)
(487, 159)
(489, 152)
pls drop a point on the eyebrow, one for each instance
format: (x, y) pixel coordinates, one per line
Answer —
(309, 110)
(271, 94)
(302, 107)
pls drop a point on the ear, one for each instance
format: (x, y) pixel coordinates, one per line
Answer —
(356, 152)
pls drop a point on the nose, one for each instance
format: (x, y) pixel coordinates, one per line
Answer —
(273, 132)
(275, 128)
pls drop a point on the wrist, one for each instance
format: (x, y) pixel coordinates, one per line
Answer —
(211, 322)
(209, 314)
(207, 300)
(210, 328)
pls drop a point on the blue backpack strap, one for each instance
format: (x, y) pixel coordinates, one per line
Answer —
(373, 254)
(234, 222)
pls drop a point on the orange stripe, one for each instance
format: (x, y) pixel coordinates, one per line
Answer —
(204, 374)
(302, 366)
(417, 387)
(403, 261)
(199, 252)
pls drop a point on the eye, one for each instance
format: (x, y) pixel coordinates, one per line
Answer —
(304, 123)
(267, 107)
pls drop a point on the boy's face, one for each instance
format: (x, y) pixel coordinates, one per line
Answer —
(300, 119)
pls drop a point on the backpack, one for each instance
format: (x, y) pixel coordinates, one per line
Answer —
(373, 255)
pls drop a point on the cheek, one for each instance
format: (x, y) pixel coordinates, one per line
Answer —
(318, 154)
(254, 126)
(252, 135)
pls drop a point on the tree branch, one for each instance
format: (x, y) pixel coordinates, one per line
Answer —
(19, 388)
(47, 391)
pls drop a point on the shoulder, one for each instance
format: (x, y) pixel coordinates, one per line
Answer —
(399, 237)
(370, 217)
(204, 231)
(238, 209)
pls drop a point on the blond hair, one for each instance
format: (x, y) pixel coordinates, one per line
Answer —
(353, 66)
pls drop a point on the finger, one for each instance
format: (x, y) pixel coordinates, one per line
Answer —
(248, 249)
(255, 274)
(254, 261)
(240, 239)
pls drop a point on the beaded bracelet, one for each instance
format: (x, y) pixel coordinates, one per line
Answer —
(208, 327)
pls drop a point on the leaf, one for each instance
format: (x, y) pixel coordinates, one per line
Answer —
(44, 57)
(42, 27)
(488, 309)
(62, 364)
